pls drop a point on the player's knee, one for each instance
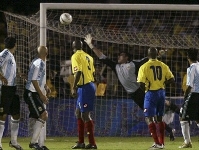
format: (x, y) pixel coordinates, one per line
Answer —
(148, 120)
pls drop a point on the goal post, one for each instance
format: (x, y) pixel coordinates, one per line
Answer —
(114, 27)
(67, 6)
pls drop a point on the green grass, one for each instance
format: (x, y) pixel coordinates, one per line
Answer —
(105, 143)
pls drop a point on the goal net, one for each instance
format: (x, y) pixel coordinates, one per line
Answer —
(114, 28)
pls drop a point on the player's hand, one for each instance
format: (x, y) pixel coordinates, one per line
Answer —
(3, 80)
(88, 39)
(44, 99)
(74, 92)
(23, 76)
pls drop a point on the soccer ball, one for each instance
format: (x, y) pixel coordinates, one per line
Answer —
(66, 18)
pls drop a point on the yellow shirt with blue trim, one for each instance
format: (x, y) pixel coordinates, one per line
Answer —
(154, 73)
(81, 61)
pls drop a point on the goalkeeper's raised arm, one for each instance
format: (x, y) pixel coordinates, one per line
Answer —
(88, 40)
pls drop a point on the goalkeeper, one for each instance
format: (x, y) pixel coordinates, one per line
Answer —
(126, 71)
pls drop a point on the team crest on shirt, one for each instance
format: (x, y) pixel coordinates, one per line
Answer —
(85, 105)
(145, 110)
(39, 108)
(75, 68)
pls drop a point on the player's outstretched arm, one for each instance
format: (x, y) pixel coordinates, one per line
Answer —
(88, 39)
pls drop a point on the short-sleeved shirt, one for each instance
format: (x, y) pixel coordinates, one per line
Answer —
(154, 73)
(8, 66)
(193, 77)
(36, 72)
(83, 62)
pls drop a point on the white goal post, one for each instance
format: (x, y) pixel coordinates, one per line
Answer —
(68, 6)
(45, 6)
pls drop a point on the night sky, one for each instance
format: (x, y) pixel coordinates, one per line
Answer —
(31, 6)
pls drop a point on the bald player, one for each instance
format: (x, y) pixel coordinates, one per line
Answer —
(84, 90)
(34, 96)
(156, 75)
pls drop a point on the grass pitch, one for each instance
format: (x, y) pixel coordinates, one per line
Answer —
(105, 143)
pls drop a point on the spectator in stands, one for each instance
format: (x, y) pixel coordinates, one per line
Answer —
(84, 89)
(156, 74)
(34, 96)
(10, 103)
(189, 110)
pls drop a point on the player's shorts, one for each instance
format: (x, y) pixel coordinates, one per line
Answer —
(35, 104)
(86, 97)
(154, 103)
(138, 97)
(190, 107)
(10, 102)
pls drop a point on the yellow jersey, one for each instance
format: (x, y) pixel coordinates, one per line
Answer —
(154, 73)
(81, 61)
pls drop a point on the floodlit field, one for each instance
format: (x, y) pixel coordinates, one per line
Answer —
(105, 143)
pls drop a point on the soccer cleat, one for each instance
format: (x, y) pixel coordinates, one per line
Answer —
(44, 148)
(17, 147)
(35, 146)
(156, 146)
(90, 146)
(184, 145)
(78, 146)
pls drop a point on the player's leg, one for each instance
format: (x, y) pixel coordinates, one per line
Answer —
(89, 125)
(7, 94)
(80, 127)
(159, 113)
(138, 97)
(80, 123)
(184, 122)
(38, 112)
(88, 98)
(14, 122)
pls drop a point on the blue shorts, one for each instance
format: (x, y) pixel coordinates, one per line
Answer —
(154, 103)
(86, 97)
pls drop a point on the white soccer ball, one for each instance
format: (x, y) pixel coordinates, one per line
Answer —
(66, 18)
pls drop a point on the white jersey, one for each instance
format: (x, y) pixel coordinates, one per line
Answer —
(36, 72)
(193, 77)
(8, 66)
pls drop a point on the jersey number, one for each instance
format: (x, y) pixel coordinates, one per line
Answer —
(87, 58)
(157, 72)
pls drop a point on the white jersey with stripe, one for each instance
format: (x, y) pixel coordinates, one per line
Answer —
(8, 66)
(193, 77)
(36, 72)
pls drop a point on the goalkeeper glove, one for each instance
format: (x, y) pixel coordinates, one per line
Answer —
(88, 40)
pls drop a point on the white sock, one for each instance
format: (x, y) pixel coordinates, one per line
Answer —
(185, 131)
(2, 127)
(14, 128)
(36, 130)
(42, 137)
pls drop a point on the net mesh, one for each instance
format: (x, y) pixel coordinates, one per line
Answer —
(112, 30)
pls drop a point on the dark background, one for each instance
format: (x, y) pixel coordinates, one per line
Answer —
(30, 6)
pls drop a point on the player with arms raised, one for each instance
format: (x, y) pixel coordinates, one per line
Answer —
(84, 90)
(156, 75)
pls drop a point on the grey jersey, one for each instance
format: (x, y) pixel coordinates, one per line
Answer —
(127, 77)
